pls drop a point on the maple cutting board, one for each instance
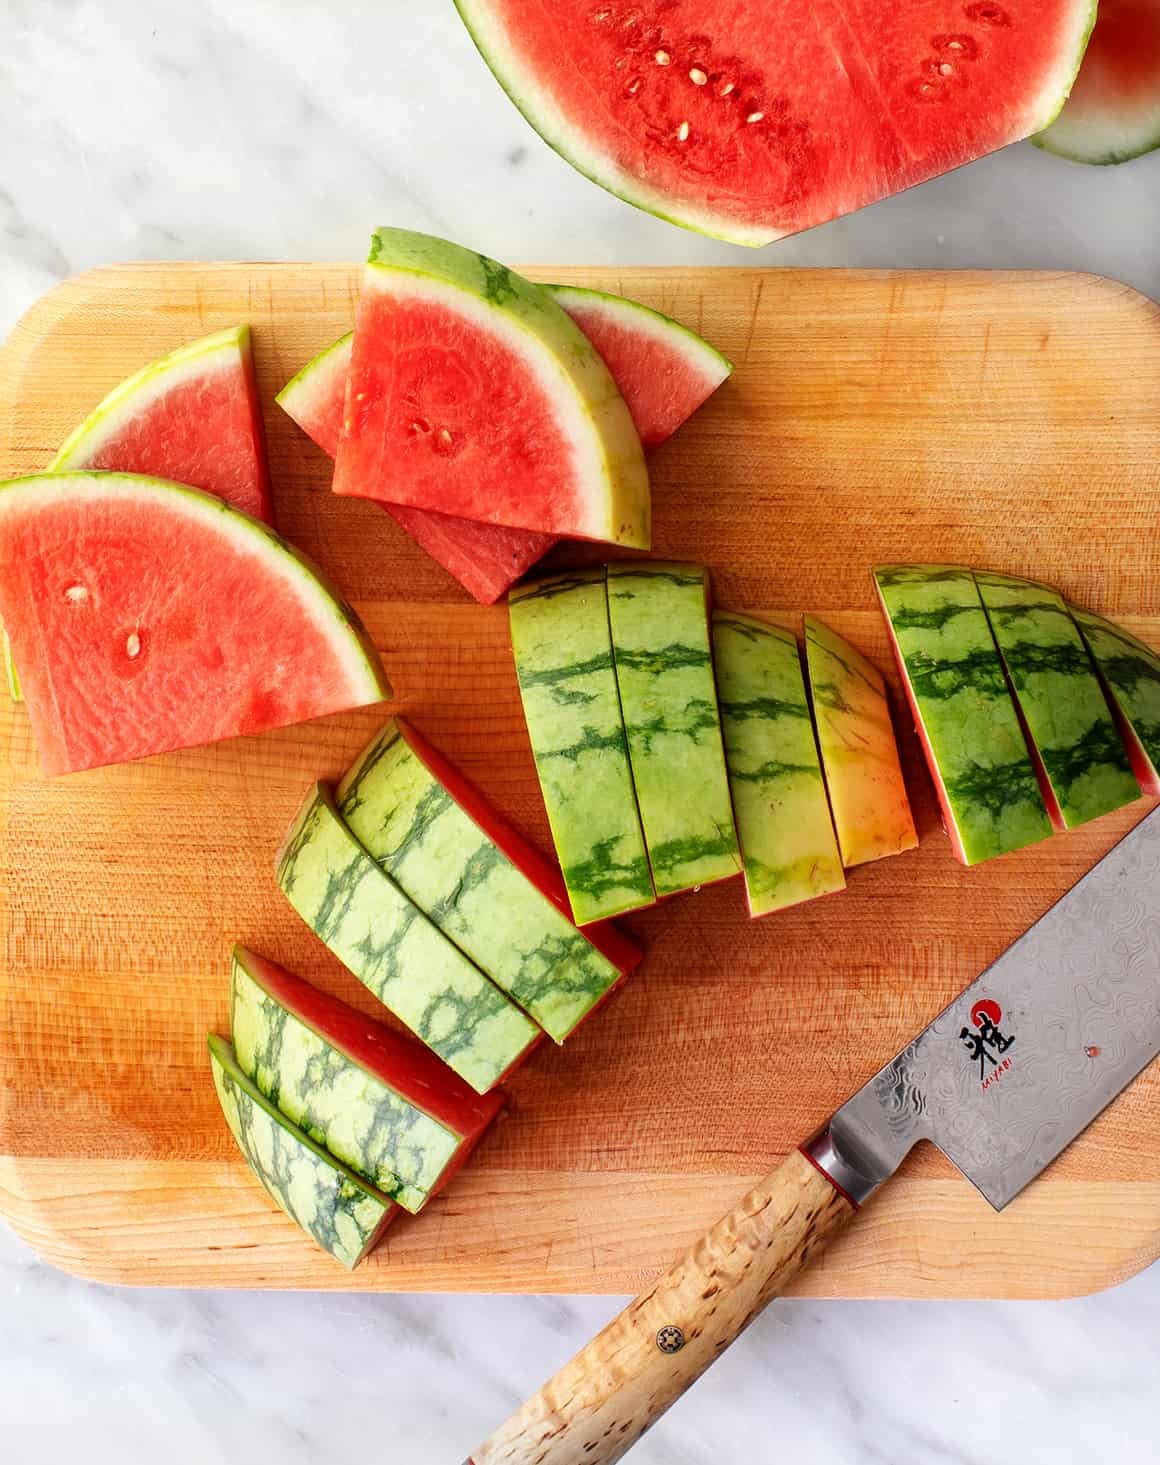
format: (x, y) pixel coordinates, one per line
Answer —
(1006, 420)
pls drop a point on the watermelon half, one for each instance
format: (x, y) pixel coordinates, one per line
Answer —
(663, 371)
(1113, 113)
(753, 120)
(474, 394)
(146, 616)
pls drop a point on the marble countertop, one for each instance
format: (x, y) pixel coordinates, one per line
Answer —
(280, 129)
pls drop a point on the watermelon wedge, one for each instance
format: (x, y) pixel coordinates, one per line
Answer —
(373, 1099)
(473, 393)
(192, 417)
(1130, 673)
(868, 798)
(492, 897)
(788, 845)
(663, 371)
(659, 616)
(963, 711)
(382, 936)
(1113, 113)
(563, 654)
(1079, 757)
(752, 121)
(147, 616)
(344, 1214)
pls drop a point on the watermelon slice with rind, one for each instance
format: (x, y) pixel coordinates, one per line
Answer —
(473, 393)
(1113, 112)
(1130, 673)
(147, 616)
(663, 370)
(337, 1208)
(753, 120)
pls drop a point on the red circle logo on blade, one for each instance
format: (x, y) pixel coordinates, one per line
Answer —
(986, 1009)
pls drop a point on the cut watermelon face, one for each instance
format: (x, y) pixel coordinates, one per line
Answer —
(868, 798)
(779, 798)
(1079, 756)
(963, 710)
(472, 393)
(147, 616)
(340, 1211)
(378, 1102)
(472, 887)
(1130, 674)
(753, 120)
(192, 417)
(659, 616)
(382, 936)
(1113, 113)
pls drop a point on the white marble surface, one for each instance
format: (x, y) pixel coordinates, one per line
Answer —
(285, 129)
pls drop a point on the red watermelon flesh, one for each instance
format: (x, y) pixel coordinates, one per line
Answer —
(663, 371)
(752, 119)
(192, 417)
(147, 616)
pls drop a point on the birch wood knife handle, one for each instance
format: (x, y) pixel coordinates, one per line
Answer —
(601, 1403)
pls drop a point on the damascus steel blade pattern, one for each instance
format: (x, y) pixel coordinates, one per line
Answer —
(1023, 1061)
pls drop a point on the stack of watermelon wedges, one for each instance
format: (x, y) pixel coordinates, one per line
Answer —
(676, 746)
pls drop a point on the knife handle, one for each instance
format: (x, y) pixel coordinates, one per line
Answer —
(599, 1404)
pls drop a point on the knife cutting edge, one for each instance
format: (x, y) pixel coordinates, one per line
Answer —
(1001, 1081)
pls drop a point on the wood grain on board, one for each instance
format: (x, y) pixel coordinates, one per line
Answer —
(1004, 420)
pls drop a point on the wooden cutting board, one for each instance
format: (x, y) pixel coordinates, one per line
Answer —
(1006, 420)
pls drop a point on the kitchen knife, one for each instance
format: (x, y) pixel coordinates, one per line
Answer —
(1001, 1081)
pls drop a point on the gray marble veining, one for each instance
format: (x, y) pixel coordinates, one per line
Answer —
(282, 129)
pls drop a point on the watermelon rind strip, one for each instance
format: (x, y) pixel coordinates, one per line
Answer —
(303, 386)
(714, 365)
(337, 1208)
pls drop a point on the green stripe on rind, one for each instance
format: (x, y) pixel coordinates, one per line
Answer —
(658, 613)
(961, 698)
(1131, 673)
(352, 1114)
(10, 669)
(342, 1213)
(432, 848)
(868, 798)
(1060, 697)
(783, 818)
(395, 951)
(589, 407)
(563, 655)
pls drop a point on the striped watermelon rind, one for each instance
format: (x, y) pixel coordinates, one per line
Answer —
(1130, 674)
(563, 655)
(393, 949)
(788, 845)
(963, 710)
(357, 1118)
(868, 798)
(342, 1213)
(431, 847)
(659, 616)
(1084, 768)
(606, 456)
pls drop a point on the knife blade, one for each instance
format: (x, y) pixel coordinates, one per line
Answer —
(1002, 1081)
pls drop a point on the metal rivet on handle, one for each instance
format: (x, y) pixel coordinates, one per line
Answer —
(670, 1339)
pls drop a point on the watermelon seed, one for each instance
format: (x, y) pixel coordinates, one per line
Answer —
(697, 76)
(633, 87)
(726, 87)
(663, 58)
(946, 69)
(420, 425)
(76, 593)
(755, 117)
(683, 132)
(133, 646)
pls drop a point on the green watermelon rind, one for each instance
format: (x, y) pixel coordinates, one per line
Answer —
(412, 825)
(576, 730)
(390, 945)
(134, 393)
(348, 1216)
(658, 612)
(1056, 689)
(522, 89)
(333, 617)
(1129, 672)
(775, 770)
(349, 1112)
(14, 688)
(304, 386)
(570, 371)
